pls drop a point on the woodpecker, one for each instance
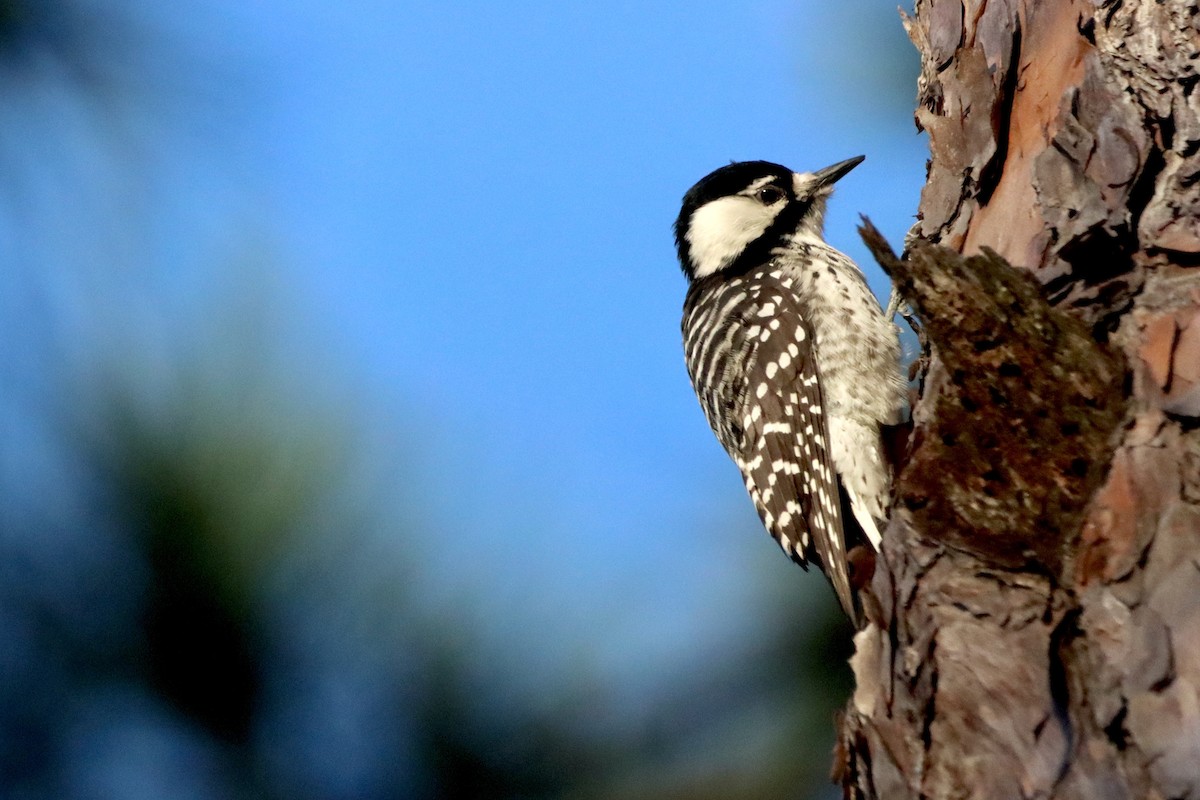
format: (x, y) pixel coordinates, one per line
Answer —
(794, 362)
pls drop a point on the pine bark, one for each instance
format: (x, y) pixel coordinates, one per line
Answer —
(1035, 614)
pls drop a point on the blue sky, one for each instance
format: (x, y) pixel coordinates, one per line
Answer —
(478, 199)
(466, 209)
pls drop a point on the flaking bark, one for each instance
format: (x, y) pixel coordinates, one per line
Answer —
(1035, 615)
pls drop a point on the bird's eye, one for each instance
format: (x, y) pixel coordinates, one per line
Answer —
(769, 195)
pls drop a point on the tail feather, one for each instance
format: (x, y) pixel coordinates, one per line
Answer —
(865, 521)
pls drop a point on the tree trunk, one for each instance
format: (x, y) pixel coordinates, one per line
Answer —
(1035, 615)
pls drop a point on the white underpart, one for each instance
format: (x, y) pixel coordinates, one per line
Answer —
(721, 229)
(853, 339)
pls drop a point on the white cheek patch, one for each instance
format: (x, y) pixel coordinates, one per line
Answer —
(722, 229)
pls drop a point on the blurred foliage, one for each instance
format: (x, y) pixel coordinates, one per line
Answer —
(212, 588)
(10, 15)
(216, 494)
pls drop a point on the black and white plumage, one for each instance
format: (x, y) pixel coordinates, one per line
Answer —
(792, 359)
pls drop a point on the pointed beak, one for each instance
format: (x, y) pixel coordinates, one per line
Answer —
(831, 174)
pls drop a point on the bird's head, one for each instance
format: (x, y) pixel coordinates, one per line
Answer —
(735, 216)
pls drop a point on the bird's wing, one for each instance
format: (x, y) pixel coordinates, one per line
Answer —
(755, 375)
(784, 455)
